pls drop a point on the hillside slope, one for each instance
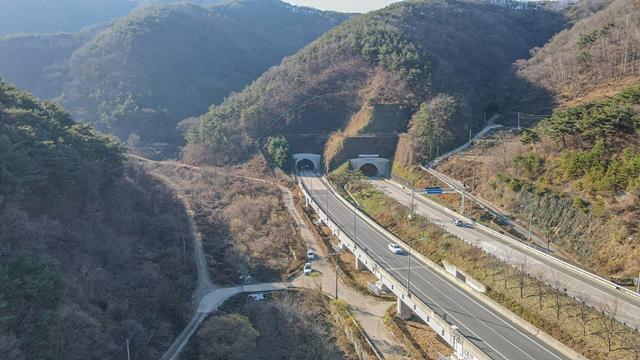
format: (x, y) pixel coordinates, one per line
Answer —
(46, 16)
(39, 62)
(400, 56)
(164, 63)
(576, 176)
(90, 246)
(575, 173)
(600, 54)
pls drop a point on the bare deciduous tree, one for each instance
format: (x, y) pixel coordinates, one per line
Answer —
(507, 257)
(583, 299)
(609, 308)
(522, 267)
(540, 275)
(559, 289)
(475, 252)
(632, 342)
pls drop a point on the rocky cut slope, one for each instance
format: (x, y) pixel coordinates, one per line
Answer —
(575, 176)
(90, 246)
(376, 67)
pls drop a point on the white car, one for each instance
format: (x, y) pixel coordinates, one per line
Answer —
(458, 222)
(395, 248)
(311, 255)
(307, 269)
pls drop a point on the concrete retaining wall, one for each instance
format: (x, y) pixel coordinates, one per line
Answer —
(463, 276)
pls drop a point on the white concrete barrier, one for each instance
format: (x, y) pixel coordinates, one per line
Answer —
(352, 246)
(463, 348)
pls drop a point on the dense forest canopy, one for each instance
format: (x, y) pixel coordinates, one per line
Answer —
(403, 54)
(141, 75)
(88, 242)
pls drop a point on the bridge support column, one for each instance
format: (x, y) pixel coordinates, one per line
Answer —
(359, 264)
(403, 311)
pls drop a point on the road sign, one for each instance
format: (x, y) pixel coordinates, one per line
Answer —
(433, 190)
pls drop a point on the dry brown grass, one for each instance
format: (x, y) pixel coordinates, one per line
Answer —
(563, 322)
(243, 224)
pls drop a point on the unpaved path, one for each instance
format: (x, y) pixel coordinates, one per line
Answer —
(368, 311)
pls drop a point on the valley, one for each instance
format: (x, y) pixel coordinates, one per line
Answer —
(250, 179)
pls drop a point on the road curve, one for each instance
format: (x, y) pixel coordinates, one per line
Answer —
(498, 337)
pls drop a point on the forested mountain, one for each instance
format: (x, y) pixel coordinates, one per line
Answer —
(47, 16)
(575, 174)
(88, 249)
(598, 52)
(375, 70)
(164, 63)
(39, 62)
(149, 70)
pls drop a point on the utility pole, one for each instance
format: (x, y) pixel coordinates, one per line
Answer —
(485, 120)
(184, 251)
(412, 196)
(470, 135)
(462, 202)
(128, 352)
(354, 223)
(638, 283)
(530, 221)
(327, 203)
(518, 120)
(335, 259)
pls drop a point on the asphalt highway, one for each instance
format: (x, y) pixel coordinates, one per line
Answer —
(577, 283)
(498, 337)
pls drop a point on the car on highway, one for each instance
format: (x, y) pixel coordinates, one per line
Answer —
(458, 222)
(308, 269)
(311, 255)
(395, 248)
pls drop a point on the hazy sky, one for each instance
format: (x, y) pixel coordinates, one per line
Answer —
(359, 6)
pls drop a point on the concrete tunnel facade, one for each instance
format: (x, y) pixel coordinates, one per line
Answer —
(382, 166)
(300, 160)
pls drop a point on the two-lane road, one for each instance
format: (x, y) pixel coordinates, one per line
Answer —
(498, 337)
(577, 283)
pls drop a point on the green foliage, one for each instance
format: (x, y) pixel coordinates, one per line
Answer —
(396, 56)
(600, 119)
(597, 169)
(44, 155)
(344, 178)
(530, 164)
(161, 64)
(530, 137)
(385, 45)
(431, 125)
(278, 148)
(586, 40)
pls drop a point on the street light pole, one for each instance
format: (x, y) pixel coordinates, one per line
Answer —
(335, 259)
(530, 222)
(128, 352)
(354, 223)
(327, 203)
(412, 196)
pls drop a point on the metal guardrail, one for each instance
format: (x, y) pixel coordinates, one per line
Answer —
(497, 308)
(465, 350)
(529, 247)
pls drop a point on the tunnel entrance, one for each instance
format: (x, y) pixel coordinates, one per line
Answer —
(305, 164)
(369, 170)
